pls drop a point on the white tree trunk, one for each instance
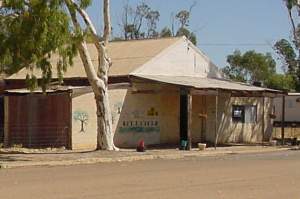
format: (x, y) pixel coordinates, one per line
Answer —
(99, 80)
(104, 117)
(104, 121)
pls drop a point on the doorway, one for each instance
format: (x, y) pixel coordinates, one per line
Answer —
(183, 117)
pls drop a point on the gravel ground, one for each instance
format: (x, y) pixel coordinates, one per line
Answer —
(258, 175)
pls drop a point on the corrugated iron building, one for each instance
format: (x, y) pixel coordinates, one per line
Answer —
(161, 91)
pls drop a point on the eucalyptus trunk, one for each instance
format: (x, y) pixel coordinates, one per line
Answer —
(105, 138)
(98, 80)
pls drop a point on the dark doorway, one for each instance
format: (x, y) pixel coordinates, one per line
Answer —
(183, 117)
(1, 119)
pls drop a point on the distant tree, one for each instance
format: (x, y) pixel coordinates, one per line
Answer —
(166, 32)
(289, 52)
(183, 17)
(288, 55)
(281, 82)
(250, 66)
(152, 19)
(190, 35)
(139, 22)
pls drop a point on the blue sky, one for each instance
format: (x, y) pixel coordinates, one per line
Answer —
(223, 25)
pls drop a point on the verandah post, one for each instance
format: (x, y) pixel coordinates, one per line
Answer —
(216, 121)
(283, 119)
(189, 105)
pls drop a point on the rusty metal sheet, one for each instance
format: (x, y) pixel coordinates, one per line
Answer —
(39, 120)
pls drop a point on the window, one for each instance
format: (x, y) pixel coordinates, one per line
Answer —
(238, 113)
(250, 114)
(290, 103)
(244, 114)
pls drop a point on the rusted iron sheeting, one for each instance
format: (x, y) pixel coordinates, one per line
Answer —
(9, 84)
(38, 120)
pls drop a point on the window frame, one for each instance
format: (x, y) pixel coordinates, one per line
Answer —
(244, 110)
(236, 119)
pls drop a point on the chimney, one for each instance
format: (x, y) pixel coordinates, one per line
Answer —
(257, 83)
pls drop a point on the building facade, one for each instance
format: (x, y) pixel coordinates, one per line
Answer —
(161, 91)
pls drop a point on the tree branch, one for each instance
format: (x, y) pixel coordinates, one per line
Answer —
(107, 23)
(88, 22)
(102, 55)
(293, 27)
(94, 80)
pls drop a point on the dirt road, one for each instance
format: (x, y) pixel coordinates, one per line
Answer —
(271, 175)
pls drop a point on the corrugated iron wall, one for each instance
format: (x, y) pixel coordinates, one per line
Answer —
(38, 120)
(1, 119)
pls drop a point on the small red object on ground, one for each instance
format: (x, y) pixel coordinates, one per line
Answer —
(141, 146)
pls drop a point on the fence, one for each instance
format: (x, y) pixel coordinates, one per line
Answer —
(289, 132)
(38, 136)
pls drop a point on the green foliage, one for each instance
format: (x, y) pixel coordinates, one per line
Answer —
(140, 22)
(31, 32)
(183, 17)
(281, 82)
(190, 35)
(290, 3)
(286, 51)
(152, 19)
(289, 51)
(166, 32)
(288, 54)
(250, 66)
(85, 3)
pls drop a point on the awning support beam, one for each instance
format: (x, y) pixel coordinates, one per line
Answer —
(216, 122)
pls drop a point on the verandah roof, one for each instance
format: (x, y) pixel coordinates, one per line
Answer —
(204, 83)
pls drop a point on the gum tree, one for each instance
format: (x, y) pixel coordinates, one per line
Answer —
(31, 31)
(289, 51)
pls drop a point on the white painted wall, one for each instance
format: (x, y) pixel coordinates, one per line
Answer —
(180, 59)
(86, 139)
(135, 117)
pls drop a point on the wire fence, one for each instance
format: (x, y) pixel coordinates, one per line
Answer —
(37, 136)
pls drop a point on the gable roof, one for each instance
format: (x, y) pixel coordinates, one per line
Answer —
(126, 57)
